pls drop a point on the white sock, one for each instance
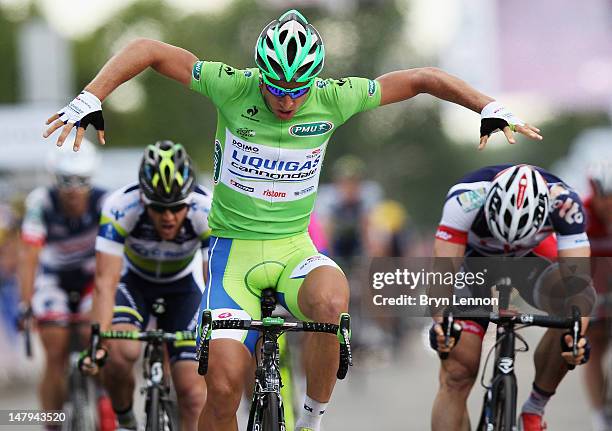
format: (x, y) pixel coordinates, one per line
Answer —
(599, 420)
(310, 415)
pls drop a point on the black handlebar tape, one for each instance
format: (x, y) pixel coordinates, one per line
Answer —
(95, 340)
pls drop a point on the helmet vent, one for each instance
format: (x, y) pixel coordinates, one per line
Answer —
(507, 218)
(291, 50)
(523, 221)
(511, 179)
(304, 68)
(302, 37)
(282, 36)
(269, 43)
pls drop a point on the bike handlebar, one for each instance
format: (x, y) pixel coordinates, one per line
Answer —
(156, 335)
(278, 325)
(574, 323)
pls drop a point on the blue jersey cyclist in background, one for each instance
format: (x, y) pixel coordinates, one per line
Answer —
(149, 260)
(274, 122)
(516, 211)
(57, 258)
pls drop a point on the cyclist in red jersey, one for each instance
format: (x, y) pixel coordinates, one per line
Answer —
(598, 207)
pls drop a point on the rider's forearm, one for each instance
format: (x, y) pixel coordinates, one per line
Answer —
(452, 89)
(28, 258)
(104, 300)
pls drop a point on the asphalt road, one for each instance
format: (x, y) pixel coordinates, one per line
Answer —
(394, 395)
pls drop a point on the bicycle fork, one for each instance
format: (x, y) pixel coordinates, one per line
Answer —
(503, 383)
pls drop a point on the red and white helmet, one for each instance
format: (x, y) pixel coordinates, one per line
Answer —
(517, 204)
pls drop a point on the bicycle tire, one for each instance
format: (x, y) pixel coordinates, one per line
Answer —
(152, 409)
(288, 387)
(504, 407)
(271, 409)
(170, 421)
(79, 411)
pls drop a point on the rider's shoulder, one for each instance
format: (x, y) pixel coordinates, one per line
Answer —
(222, 71)
(202, 198)
(40, 196)
(124, 199)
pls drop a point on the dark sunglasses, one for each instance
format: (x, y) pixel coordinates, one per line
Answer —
(72, 181)
(158, 208)
(294, 94)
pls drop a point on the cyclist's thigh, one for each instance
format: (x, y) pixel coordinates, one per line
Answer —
(324, 292)
(226, 293)
(182, 305)
(56, 342)
(50, 301)
(464, 360)
(304, 260)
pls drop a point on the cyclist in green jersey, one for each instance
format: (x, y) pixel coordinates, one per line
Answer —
(274, 123)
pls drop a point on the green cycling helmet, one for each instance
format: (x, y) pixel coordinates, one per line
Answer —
(290, 49)
(166, 175)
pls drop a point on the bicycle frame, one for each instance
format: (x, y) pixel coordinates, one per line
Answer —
(80, 410)
(267, 406)
(268, 383)
(503, 384)
(158, 403)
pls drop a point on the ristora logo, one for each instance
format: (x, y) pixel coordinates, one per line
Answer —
(217, 162)
(311, 129)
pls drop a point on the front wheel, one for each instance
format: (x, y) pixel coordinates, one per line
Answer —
(152, 410)
(271, 420)
(499, 409)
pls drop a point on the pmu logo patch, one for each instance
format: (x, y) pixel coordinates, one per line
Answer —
(311, 129)
(371, 88)
(217, 161)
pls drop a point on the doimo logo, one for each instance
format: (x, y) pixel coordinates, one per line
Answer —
(311, 129)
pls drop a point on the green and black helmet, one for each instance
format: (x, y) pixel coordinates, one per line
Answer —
(290, 49)
(166, 175)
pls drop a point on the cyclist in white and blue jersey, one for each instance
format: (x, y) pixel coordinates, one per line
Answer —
(149, 260)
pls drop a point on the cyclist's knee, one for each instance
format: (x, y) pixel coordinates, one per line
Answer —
(190, 387)
(191, 398)
(223, 395)
(122, 353)
(330, 298)
(458, 376)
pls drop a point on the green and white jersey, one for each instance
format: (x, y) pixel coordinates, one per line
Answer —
(266, 170)
(126, 230)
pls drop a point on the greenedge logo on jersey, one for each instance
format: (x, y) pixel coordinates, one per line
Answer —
(311, 129)
(217, 162)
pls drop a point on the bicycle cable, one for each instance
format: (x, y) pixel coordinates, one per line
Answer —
(498, 341)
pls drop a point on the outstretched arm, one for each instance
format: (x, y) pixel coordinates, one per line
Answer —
(171, 61)
(405, 84)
